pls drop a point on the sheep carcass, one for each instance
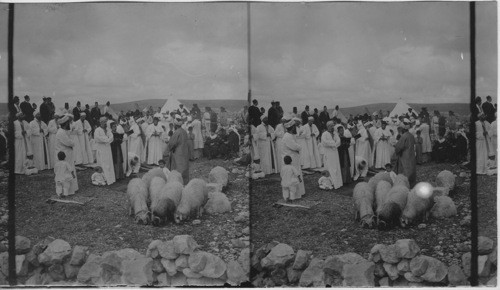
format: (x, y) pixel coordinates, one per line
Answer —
(164, 202)
(363, 202)
(138, 195)
(194, 197)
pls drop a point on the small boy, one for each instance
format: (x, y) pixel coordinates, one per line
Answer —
(290, 179)
(388, 169)
(64, 175)
(98, 178)
(133, 164)
(361, 167)
(418, 147)
(163, 166)
(324, 181)
(29, 165)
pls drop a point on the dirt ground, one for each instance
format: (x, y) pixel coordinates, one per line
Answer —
(328, 227)
(103, 223)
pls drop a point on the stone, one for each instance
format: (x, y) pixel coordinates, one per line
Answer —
(292, 275)
(483, 265)
(214, 268)
(128, 254)
(246, 231)
(462, 247)
(190, 274)
(492, 257)
(416, 284)
(196, 222)
(78, 256)
(279, 276)
(313, 275)
(374, 255)
(32, 258)
(197, 261)
(418, 265)
(484, 245)
(56, 272)
(358, 275)
(401, 282)
(301, 260)
(391, 270)
(35, 279)
(334, 265)
(111, 265)
(242, 217)
(178, 280)
(422, 226)
(169, 266)
(379, 270)
(280, 256)
(465, 222)
(21, 265)
(55, 253)
(167, 250)
(237, 243)
(384, 282)
(157, 266)
(205, 282)
(3, 247)
(184, 244)
(71, 271)
(4, 263)
(436, 270)
(138, 272)
(153, 246)
(181, 262)
(389, 254)
(403, 266)
(244, 260)
(46, 279)
(218, 203)
(407, 248)
(412, 278)
(23, 245)
(444, 207)
(163, 280)
(235, 273)
(90, 272)
(492, 282)
(456, 276)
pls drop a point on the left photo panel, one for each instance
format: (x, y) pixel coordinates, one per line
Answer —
(129, 144)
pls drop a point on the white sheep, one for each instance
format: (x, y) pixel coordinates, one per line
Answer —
(218, 175)
(443, 207)
(194, 197)
(391, 210)
(446, 178)
(378, 177)
(164, 202)
(154, 187)
(148, 176)
(175, 176)
(138, 195)
(381, 193)
(416, 210)
(363, 203)
(218, 203)
(401, 179)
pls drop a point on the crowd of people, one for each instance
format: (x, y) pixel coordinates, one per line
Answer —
(116, 144)
(346, 148)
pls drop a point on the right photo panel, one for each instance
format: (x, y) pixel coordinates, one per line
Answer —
(360, 122)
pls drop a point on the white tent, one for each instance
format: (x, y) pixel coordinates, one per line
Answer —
(400, 109)
(170, 105)
(340, 115)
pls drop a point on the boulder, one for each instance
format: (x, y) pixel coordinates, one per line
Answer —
(169, 266)
(235, 273)
(90, 272)
(167, 250)
(21, 265)
(280, 256)
(23, 245)
(418, 265)
(483, 265)
(359, 275)
(456, 276)
(181, 262)
(32, 258)
(4, 263)
(152, 247)
(39, 247)
(138, 272)
(128, 254)
(379, 270)
(71, 271)
(436, 270)
(392, 271)
(334, 265)
(56, 272)
(493, 256)
(292, 275)
(184, 244)
(214, 267)
(313, 275)
(301, 260)
(190, 274)
(374, 255)
(78, 256)
(244, 260)
(35, 279)
(384, 282)
(178, 280)
(197, 261)
(444, 207)
(401, 282)
(55, 253)
(157, 266)
(403, 266)
(390, 254)
(407, 248)
(163, 280)
(111, 265)
(205, 282)
(279, 276)
(412, 278)
(484, 245)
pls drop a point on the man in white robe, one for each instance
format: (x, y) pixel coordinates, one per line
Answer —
(291, 148)
(483, 146)
(312, 133)
(426, 139)
(493, 136)
(278, 143)
(331, 141)
(382, 152)
(65, 143)
(348, 134)
(363, 148)
(52, 127)
(155, 143)
(265, 144)
(77, 148)
(83, 129)
(120, 129)
(22, 143)
(39, 145)
(135, 144)
(302, 132)
(103, 137)
(198, 139)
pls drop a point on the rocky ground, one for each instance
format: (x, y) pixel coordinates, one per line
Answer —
(103, 223)
(328, 228)
(4, 215)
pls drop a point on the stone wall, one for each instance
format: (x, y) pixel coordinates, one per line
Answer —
(401, 265)
(177, 262)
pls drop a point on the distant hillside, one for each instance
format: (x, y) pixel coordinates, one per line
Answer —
(230, 105)
(461, 109)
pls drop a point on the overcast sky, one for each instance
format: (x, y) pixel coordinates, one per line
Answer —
(319, 54)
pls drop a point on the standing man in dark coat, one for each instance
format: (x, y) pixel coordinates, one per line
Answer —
(87, 110)
(254, 113)
(77, 110)
(179, 151)
(324, 117)
(45, 111)
(305, 115)
(280, 110)
(406, 162)
(27, 109)
(316, 119)
(95, 115)
(489, 110)
(273, 115)
(52, 107)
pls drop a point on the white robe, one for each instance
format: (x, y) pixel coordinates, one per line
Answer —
(84, 140)
(426, 138)
(291, 148)
(255, 148)
(77, 148)
(332, 162)
(155, 143)
(312, 146)
(348, 134)
(382, 147)
(65, 143)
(124, 145)
(198, 136)
(103, 153)
(493, 137)
(39, 145)
(135, 141)
(52, 128)
(278, 145)
(302, 131)
(481, 148)
(144, 129)
(266, 149)
(22, 145)
(363, 145)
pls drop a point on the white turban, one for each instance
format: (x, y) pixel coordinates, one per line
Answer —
(63, 119)
(263, 117)
(289, 124)
(83, 114)
(311, 118)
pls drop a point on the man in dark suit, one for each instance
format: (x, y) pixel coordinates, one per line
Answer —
(324, 117)
(305, 115)
(273, 115)
(77, 110)
(254, 113)
(477, 109)
(45, 111)
(27, 109)
(489, 110)
(95, 114)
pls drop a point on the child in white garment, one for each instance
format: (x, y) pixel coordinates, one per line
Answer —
(133, 164)
(324, 181)
(29, 165)
(98, 177)
(290, 178)
(388, 169)
(163, 166)
(64, 175)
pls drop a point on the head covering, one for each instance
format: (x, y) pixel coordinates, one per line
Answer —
(189, 119)
(417, 122)
(109, 122)
(83, 114)
(123, 122)
(311, 118)
(103, 119)
(65, 118)
(263, 117)
(177, 120)
(329, 123)
(287, 117)
(295, 119)
(20, 114)
(290, 124)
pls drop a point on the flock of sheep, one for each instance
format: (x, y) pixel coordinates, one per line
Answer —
(384, 203)
(156, 199)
